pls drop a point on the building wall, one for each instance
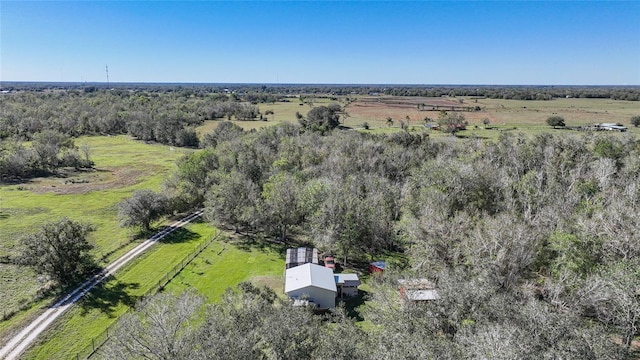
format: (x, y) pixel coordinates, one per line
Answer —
(348, 291)
(326, 299)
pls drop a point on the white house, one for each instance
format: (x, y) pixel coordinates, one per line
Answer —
(313, 283)
(347, 284)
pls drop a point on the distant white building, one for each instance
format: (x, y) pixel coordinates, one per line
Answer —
(418, 290)
(612, 127)
(311, 283)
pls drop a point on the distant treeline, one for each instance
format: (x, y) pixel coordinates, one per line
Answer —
(273, 92)
(50, 120)
(167, 118)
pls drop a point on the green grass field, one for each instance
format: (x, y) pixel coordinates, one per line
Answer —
(102, 307)
(122, 166)
(222, 265)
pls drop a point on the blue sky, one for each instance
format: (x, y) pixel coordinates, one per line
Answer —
(354, 42)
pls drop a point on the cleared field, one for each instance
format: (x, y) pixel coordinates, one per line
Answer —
(122, 166)
(504, 115)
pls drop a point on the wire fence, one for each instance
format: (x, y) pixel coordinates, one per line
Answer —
(102, 338)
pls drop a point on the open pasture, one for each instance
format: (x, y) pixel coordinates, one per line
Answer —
(528, 116)
(122, 166)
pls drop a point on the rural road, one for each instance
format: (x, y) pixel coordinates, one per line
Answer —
(12, 349)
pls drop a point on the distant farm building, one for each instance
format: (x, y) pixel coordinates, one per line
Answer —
(416, 290)
(377, 267)
(612, 127)
(311, 284)
(347, 284)
(300, 256)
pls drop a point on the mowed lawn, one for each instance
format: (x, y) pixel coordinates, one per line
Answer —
(225, 265)
(222, 265)
(122, 166)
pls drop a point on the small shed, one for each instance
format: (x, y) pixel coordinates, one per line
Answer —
(347, 284)
(377, 267)
(418, 290)
(300, 256)
(314, 284)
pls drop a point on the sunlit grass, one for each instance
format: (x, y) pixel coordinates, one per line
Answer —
(224, 265)
(122, 166)
(103, 306)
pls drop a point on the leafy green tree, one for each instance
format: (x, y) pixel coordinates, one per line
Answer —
(451, 123)
(555, 121)
(61, 251)
(225, 131)
(143, 207)
(233, 200)
(322, 118)
(281, 208)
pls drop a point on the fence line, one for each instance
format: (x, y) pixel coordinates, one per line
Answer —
(102, 338)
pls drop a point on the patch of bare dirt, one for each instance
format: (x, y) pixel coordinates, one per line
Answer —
(71, 182)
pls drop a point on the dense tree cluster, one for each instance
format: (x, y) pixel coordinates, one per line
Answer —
(526, 237)
(168, 118)
(49, 151)
(52, 119)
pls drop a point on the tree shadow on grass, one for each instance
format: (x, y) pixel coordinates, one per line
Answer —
(107, 296)
(180, 235)
(249, 242)
(352, 305)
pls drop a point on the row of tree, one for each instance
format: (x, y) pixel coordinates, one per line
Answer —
(265, 93)
(163, 117)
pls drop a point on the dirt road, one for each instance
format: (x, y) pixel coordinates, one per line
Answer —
(16, 345)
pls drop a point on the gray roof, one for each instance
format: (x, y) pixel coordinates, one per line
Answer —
(422, 295)
(306, 275)
(350, 278)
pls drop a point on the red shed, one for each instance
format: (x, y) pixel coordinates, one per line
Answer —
(377, 267)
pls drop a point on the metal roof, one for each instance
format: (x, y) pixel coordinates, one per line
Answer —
(422, 295)
(306, 275)
(301, 255)
(342, 278)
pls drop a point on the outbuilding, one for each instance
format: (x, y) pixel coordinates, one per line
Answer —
(377, 267)
(347, 284)
(311, 284)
